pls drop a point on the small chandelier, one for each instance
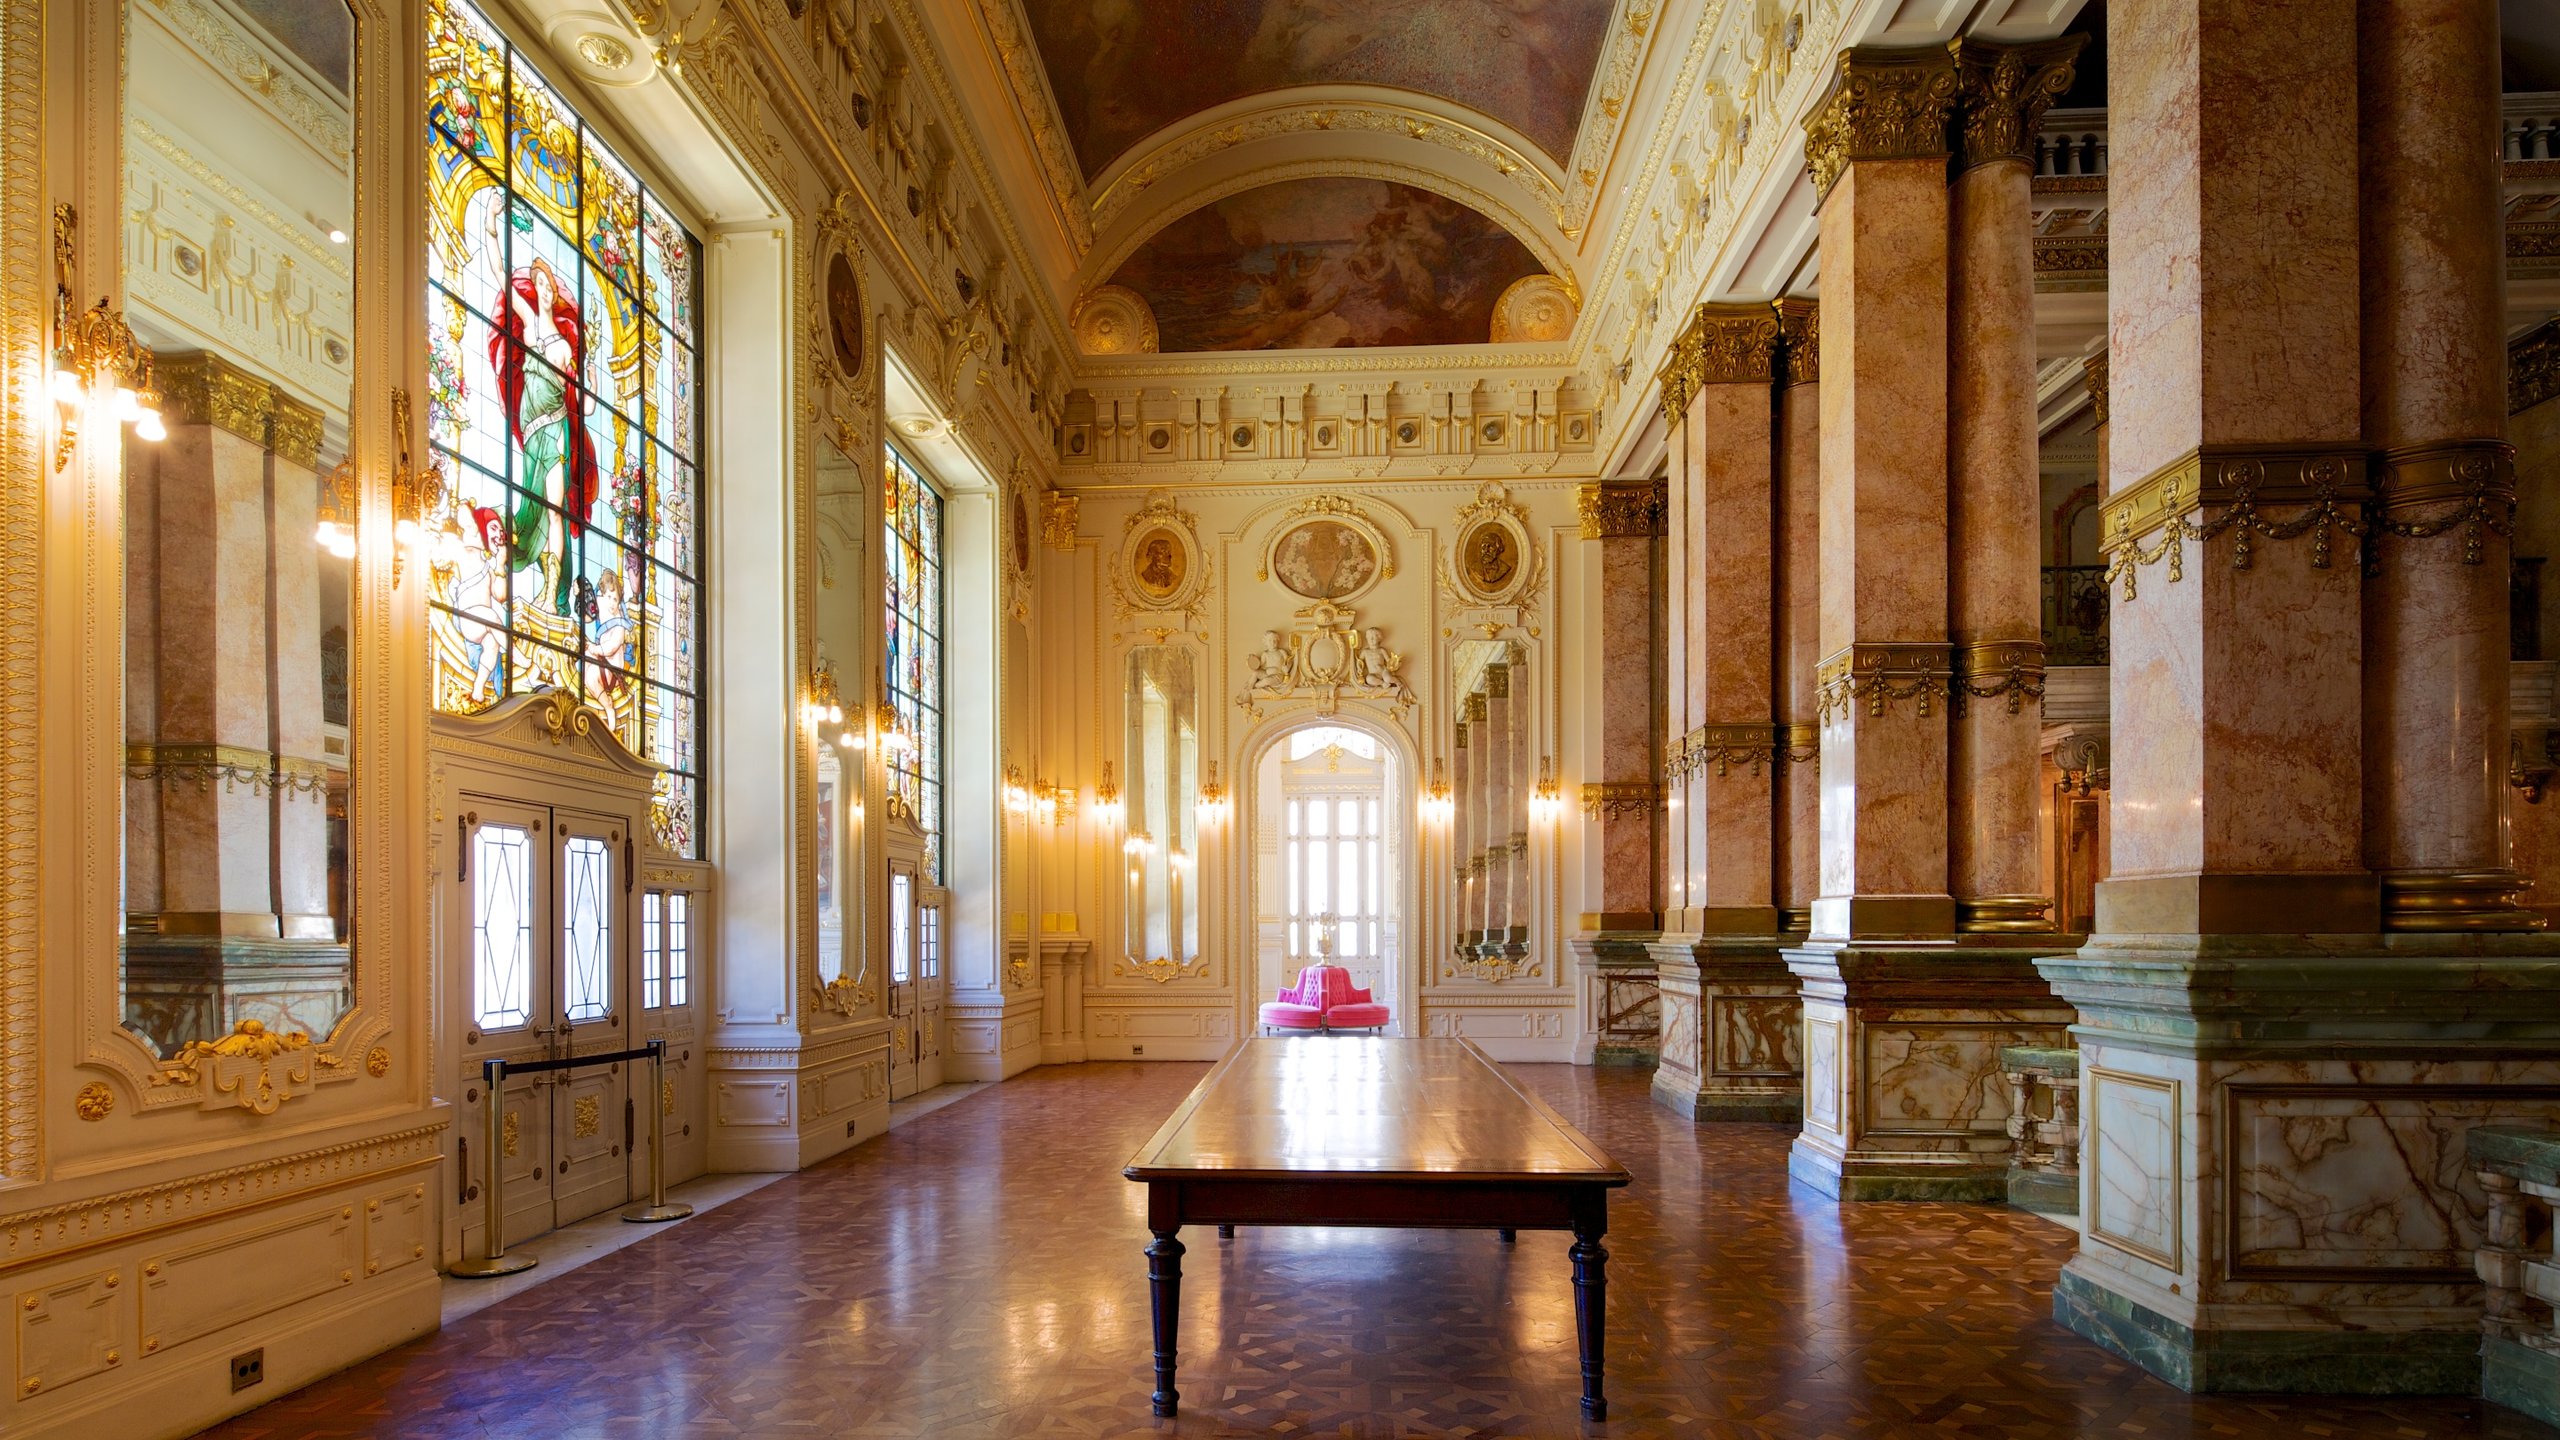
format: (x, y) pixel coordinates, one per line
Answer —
(1546, 801)
(1106, 797)
(1437, 806)
(1213, 797)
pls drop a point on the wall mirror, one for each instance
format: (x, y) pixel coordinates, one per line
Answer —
(238, 199)
(1162, 785)
(1491, 777)
(845, 607)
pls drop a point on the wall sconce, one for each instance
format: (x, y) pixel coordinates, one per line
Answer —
(1546, 801)
(1056, 803)
(1017, 791)
(94, 349)
(1138, 846)
(894, 738)
(825, 705)
(336, 532)
(1437, 806)
(1106, 798)
(417, 496)
(1213, 797)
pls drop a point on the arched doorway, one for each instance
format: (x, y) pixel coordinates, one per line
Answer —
(1332, 847)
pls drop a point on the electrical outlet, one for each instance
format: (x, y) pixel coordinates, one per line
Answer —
(1137, 1050)
(248, 1368)
(850, 1126)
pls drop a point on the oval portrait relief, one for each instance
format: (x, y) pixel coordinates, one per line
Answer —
(1158, 564)
(1021, 534)
(1324, 560)
(844, 315)
(1491, 556)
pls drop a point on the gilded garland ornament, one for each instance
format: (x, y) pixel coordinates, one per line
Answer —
(1881, 676)
(2264, 493)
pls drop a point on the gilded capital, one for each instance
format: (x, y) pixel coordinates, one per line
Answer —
(2006, 90)
(1619, 509)
(295, 438)
(1722, 345)
(2093, 373)
(1800, 339)
(202, 388)
(1884, 104)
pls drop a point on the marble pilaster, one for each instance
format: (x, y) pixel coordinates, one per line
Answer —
(1623, 523)
(1799, 621)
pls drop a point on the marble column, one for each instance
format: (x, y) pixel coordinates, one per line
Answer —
(2435, 409)
(1799, 592)
(2276, 1089)
(1622, 524)
(1904, 1096)
(1737, 1061)
(1506, 801)
(1994, 490)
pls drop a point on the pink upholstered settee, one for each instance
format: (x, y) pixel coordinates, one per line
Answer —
(1323, 999)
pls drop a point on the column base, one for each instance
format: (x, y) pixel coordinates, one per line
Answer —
(2298, 1362)
(1729, 1046)
(2520, 1377)
(2044, 1192)
(1905, 1093)
(2273, 1131)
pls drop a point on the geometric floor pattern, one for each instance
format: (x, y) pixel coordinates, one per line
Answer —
(977, 1273)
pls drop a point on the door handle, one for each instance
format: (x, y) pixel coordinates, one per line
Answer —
(626, 865)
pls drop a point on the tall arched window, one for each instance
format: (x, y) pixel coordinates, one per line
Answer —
(563, 410)
(913, 657)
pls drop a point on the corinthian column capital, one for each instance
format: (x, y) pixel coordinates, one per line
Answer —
(1884, 104)
(2006, 90)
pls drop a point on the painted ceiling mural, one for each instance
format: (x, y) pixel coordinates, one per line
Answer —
(1122, 69)
(1325, 262)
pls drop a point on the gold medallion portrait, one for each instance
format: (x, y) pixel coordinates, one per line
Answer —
(1158, 564)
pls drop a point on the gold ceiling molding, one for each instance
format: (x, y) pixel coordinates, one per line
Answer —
(2007, 89)
(1537, 238)
(1187, 148)
(292, 96)
(1604, 110)
(1114, 320)
(1885, 104)
(1538, 309)
(1018, 55)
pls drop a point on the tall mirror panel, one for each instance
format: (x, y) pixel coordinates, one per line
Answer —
(238, 200)
(1162, 848)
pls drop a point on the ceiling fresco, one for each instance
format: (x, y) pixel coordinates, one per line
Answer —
(1123, 69)
(1326, 262)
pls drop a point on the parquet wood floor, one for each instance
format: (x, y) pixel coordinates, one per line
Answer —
(977, 1273)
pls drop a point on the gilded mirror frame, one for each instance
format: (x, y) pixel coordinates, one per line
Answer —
(376, 1036)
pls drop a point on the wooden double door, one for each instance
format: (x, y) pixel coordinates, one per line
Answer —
(543, 960)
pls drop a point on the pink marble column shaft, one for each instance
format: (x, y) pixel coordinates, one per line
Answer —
(1621, 523)
(2434, 406)
(2237, 698)
(1731, 639)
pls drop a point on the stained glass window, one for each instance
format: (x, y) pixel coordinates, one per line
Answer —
(914, 655)
(563, 411)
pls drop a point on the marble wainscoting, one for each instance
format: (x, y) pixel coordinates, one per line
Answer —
(1731, 1031)
(2274, 1185)
(1905, 1093)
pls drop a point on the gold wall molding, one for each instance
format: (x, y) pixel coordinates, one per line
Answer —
(2423, 491)
(1621, 509)
(1999, 669)
(1881, 675)
(2007, 89)
(2071, 255)
(1060, 513)
(1884, 104)
(1800, 339)
(2250, 492)
(1721, 345)
(1620, 799)
(2533, 367)
(95, 1101)
(25, 298)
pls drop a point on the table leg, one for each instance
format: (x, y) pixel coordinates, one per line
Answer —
(1590, 1311)
(1226, 1232)
(1164, 1279)
(1507, 1237)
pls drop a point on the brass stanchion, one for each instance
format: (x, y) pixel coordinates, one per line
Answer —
(497, 1261)
(657, 1209)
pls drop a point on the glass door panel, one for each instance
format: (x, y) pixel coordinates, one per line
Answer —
(505, 878)
(589, 1123)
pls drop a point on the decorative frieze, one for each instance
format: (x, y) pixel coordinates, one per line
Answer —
(1800, 339)
(2423, 491)
(1620, 799)
(1620, 509)
(2533, 367)
(1883, 105)
(1882, 675)
(2007, 89)
(1757, 745)
(2007, 670)
(2251, 492)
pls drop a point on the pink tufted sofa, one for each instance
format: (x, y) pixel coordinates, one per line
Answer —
(1323, 999)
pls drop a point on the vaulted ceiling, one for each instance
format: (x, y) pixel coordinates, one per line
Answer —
(1296, 174)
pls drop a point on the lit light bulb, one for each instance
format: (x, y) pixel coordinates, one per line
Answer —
(337, 236)
(128, 404)
(67, 389)
(408, 532)
(150, 428)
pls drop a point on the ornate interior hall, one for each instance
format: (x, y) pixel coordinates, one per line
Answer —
(933, 717)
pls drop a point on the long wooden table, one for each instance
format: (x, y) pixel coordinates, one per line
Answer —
(1338, 1130)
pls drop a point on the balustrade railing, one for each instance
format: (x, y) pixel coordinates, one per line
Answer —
(2075, 615)
(2072, 142)
(2532, 126)
(2519, 1171)
(2044, 1124)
